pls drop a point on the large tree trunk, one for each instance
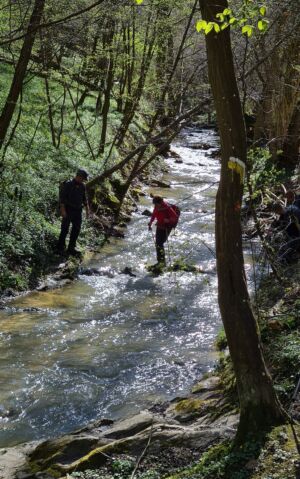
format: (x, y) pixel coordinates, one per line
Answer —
(20, 70)
(259, 406)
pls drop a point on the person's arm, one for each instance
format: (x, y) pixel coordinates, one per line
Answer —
(63, 211)
(153, 216)
(85, 202)
(62, 200)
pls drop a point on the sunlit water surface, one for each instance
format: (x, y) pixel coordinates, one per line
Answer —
(108, 347)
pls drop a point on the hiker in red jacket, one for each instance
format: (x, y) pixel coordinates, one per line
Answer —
(167, 219)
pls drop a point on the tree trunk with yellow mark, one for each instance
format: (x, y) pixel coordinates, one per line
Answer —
(259, 405)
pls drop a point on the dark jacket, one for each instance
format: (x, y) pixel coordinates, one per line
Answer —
(297, 201)
(292, 212)
(73, 194)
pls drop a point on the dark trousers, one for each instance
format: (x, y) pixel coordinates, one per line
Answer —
(286, 252)
(74, 217)
(292, 230)
(161, 237)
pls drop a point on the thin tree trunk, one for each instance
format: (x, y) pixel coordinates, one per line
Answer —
(14, 128)
(62, 116)
(134, 99)
(50, 112)
(259, 405)
(109, 84)
(20, 71)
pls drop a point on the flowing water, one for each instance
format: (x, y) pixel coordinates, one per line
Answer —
(110, 346)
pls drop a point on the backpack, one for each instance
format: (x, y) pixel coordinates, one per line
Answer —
(176, 209)
(61, 188)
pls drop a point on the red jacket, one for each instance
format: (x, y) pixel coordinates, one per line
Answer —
(164, 214)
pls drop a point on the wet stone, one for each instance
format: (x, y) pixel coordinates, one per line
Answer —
(25, 475)
(146, 213)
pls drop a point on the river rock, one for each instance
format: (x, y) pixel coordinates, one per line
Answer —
(158, 436)
(147, 213)
(128, 271)
(79, 452)
(63, 450)
(96, 272)
(212, 383)
(13, 460)
(174, 154)
(200, 146)
(117, 232)
(159, 184)
(125, 217)
(130, 426)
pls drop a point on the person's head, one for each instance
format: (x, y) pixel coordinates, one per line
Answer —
(290, 197)
(157, 200)
(81, 175)
(278, 208)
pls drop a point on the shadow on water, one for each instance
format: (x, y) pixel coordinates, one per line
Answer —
(110, 346)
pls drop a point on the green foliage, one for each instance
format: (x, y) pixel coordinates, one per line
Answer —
(122, 468)
(119, 469)
(221, 340)
(283, 355)
(223, 462)
(150, 474)
(249, 17)
(263, 172)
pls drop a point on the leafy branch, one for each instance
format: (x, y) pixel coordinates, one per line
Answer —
(248, 18)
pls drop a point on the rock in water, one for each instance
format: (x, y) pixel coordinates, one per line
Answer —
(128, 271)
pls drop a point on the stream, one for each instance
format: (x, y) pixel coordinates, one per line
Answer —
(110, 346)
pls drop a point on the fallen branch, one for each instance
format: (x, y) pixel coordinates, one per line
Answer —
(143, 453)
(151, 141)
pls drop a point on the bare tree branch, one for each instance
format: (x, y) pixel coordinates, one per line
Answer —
(55, 22)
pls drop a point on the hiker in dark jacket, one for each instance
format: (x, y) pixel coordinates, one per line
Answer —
(290, 215)
(167, 219)
(72, 199)
(289, 219)
(292, 198)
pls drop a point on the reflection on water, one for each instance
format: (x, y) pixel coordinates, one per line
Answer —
(110, 346)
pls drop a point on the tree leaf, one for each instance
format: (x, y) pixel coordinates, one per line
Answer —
(227, 11)
(262, 11)
(220, 16)
(248, 30)
(209, 28)
(139, 2)
(201, 25)
(262, 25)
